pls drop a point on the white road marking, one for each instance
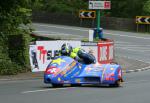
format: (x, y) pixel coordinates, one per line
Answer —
(129, 49)
(137, 59)
(43, 90)
(128, 36)
(146, 68)
(131, 45)
(67, 28)
(121, 42)
(47, 33)
(50, 32)
(135, 46)
(133, 49)
(5, 81)
(137, 81)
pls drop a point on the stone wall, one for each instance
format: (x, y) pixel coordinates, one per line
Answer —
(113, 23)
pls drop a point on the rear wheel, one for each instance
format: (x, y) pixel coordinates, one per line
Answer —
(57, 85)
(118, 83)
(75, 85)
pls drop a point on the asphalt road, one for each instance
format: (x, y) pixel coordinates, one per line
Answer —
(134, 90)
(131, 45)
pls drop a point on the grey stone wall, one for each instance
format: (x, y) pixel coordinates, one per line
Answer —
(113, 23)
(118, 23)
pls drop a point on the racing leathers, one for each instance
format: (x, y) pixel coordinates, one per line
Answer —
(81, 56)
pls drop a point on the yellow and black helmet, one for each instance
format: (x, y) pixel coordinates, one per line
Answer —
(66, 49)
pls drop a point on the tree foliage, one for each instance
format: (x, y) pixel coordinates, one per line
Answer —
(63, 6)
(14, 14)
(127, 8)
(119, 8)
(146, 8)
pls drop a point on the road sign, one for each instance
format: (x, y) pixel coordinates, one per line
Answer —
(143, 19)
(99, 4)
(87, 14)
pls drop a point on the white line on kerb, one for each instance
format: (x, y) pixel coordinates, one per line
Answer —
(43, 90)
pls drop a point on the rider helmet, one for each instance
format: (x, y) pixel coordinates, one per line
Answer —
(66, 49)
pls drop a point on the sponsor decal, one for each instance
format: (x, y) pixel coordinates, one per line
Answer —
(44, 56)
(97, 69)
(66, 81)
(119, 74)
(93, 69)
(109, 77)
(58, 61)
(88, 69)
(53, 70)
(105, 52)
(68, 68)
(46, 53)
(78, 80)
(63, 72)
(42, 53)
(70, 72)
(111, 68)
(77, 73)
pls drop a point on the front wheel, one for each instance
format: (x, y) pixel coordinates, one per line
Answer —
(57, 85)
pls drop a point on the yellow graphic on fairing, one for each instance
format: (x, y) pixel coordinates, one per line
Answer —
(78, 80)
(111, 68)
(59, 79)
(58, 61)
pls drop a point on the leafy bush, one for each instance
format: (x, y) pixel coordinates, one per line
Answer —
(15, 17)
(8, 68)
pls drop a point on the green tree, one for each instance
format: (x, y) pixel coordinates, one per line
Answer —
(14, 20)
(127, 8)
(146, 8)
(64, 6)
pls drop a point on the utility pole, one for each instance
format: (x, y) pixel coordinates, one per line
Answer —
(98, 22)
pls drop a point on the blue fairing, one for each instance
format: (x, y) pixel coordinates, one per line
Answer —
(66, 70)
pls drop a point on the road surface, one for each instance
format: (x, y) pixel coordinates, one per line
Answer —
(134, 90)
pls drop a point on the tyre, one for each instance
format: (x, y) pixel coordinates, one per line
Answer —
(75, 85)
(57, 85)
(117, 84)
